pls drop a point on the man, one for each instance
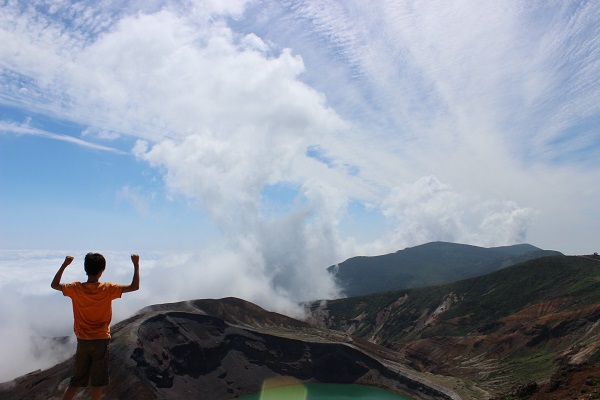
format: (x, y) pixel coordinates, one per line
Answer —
(92, 313)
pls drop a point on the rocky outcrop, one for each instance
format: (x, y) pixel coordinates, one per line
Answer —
(223, 349)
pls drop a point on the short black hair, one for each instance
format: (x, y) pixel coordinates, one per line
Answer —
(94, 263)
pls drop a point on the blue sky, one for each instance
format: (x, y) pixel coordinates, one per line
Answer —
(271, 139)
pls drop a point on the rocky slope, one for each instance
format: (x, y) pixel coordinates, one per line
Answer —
(222, 349)
(503, 331)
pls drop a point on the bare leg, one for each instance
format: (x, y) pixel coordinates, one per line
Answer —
(70, 392)
(96, 392)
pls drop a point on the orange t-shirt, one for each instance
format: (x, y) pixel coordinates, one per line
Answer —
(92, 307)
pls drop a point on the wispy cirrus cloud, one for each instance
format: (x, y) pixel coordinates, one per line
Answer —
(528, 71)
(25, 129)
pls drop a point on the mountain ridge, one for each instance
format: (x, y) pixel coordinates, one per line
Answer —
(522, 323)
(428, 264)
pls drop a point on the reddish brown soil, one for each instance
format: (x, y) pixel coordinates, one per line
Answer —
(578, 382)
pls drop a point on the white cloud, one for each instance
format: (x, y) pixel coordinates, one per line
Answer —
(24, 354)
(429, 210)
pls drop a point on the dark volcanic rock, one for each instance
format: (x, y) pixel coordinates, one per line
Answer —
(222, 349)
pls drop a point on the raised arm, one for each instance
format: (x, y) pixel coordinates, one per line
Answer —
(56, 281)
(135, 282)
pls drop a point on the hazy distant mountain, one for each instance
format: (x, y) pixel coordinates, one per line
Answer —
(538, 321)
(429, 264)
(222, 349)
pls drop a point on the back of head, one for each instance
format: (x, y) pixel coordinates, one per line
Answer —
(94, 263)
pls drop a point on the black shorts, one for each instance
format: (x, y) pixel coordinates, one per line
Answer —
(91, 363)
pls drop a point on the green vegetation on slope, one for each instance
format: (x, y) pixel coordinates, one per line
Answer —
(481, 301)
(515, 325)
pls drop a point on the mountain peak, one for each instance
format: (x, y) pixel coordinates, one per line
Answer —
(428, 264)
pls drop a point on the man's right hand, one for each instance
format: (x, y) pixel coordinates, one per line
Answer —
(135, 282)
(56, 281)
